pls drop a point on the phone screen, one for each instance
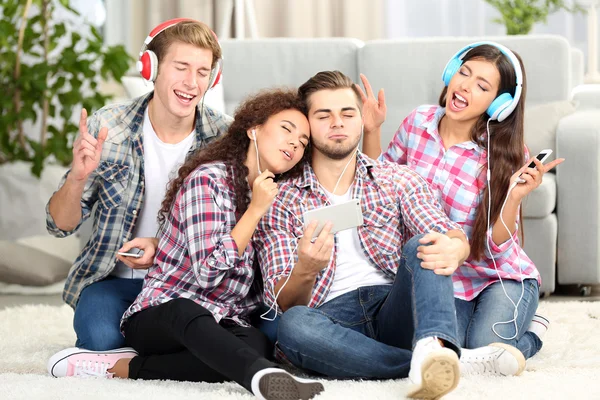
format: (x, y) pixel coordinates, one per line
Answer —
(540, 157)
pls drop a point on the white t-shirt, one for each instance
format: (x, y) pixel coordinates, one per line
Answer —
(353, 268)
(161, 163)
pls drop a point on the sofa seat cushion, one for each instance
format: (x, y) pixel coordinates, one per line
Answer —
(542, 201)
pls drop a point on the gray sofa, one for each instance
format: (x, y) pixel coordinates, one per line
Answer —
(560, 217)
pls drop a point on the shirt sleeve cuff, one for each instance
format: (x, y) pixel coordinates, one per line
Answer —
(55, 230)
(225, 255)
(503, 247)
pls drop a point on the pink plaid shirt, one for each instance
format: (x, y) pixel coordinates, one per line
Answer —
(396, 204)
(197, 257)
(457, 177)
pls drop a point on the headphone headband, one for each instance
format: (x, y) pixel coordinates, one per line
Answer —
(496, 111)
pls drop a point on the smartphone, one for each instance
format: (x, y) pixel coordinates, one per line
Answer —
(344, 215)
(542, 156)
(135, 255)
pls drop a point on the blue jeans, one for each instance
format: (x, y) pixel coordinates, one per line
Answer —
(268, 328)
(370, 332)
(99, 310)
(477, 317)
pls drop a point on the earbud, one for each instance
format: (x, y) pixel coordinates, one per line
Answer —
(253, 134)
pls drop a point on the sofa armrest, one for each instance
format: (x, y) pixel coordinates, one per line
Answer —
(587, 96)
(578, 197)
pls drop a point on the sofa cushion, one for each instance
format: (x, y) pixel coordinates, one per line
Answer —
(541, 122)
(27, 266)
(542, 201)
(252, 65)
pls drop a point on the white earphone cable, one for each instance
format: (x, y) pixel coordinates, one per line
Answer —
(516, 305)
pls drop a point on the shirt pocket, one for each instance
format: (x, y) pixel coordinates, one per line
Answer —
(113, 181)
(382, 226)
(460, 198)
(421, 167)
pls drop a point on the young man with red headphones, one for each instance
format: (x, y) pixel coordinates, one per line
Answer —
(122, 161)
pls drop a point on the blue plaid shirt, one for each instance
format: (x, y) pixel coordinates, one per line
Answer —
(117, 187)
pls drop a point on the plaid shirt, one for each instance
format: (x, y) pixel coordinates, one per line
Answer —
(396, 204)
(457, 176)
(117, 188)
(197, 257)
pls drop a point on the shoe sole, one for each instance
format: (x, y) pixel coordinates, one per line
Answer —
(61, 355)
(440, 374)
(516, 354)
(283, 386)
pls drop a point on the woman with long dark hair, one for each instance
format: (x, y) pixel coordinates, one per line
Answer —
(471, 150)
(191, 320)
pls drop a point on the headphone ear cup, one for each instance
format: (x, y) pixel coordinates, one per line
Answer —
(499, 104)
(148, 65)
(450, 70)
(215, 74)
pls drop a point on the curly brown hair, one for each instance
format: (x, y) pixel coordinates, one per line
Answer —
(232, 147)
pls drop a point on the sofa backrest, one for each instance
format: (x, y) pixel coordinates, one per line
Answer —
(251, 65)
(410, 70)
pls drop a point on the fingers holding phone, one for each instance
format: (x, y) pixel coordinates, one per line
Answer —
(530, 175)
(314, 253)
(138, 253)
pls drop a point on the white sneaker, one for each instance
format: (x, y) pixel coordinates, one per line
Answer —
(495, 359)
(434, 370)
(539, 325)
(86, 363)
(278, 384)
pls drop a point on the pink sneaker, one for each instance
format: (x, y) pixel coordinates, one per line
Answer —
(86, 363)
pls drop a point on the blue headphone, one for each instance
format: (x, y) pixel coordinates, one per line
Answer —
(503, 105)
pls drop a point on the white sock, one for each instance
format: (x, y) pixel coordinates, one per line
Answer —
(539, 326)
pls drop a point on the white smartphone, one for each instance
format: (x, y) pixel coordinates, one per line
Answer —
(344, 215)
(542, 156)
(135, 255)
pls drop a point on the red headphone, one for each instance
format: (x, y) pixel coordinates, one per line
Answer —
(147, 64)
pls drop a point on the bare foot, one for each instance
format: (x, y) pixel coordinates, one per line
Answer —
(121, 368)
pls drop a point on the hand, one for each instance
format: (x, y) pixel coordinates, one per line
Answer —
(315, 255)
(87, 150)
(147, 245)
(532, 177)
(374, 109)
(264, 190)
(443, 255)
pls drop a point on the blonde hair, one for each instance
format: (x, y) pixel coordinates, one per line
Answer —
(190, 32)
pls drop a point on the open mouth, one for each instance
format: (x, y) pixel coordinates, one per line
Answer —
(288, 155)
(185, 98)
(458, 102)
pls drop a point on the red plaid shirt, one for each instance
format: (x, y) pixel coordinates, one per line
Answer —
(197, 257)
(396, 204)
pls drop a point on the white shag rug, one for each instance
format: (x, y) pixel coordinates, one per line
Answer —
(568, 366)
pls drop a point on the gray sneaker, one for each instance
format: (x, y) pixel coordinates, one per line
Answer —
(277, 384)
